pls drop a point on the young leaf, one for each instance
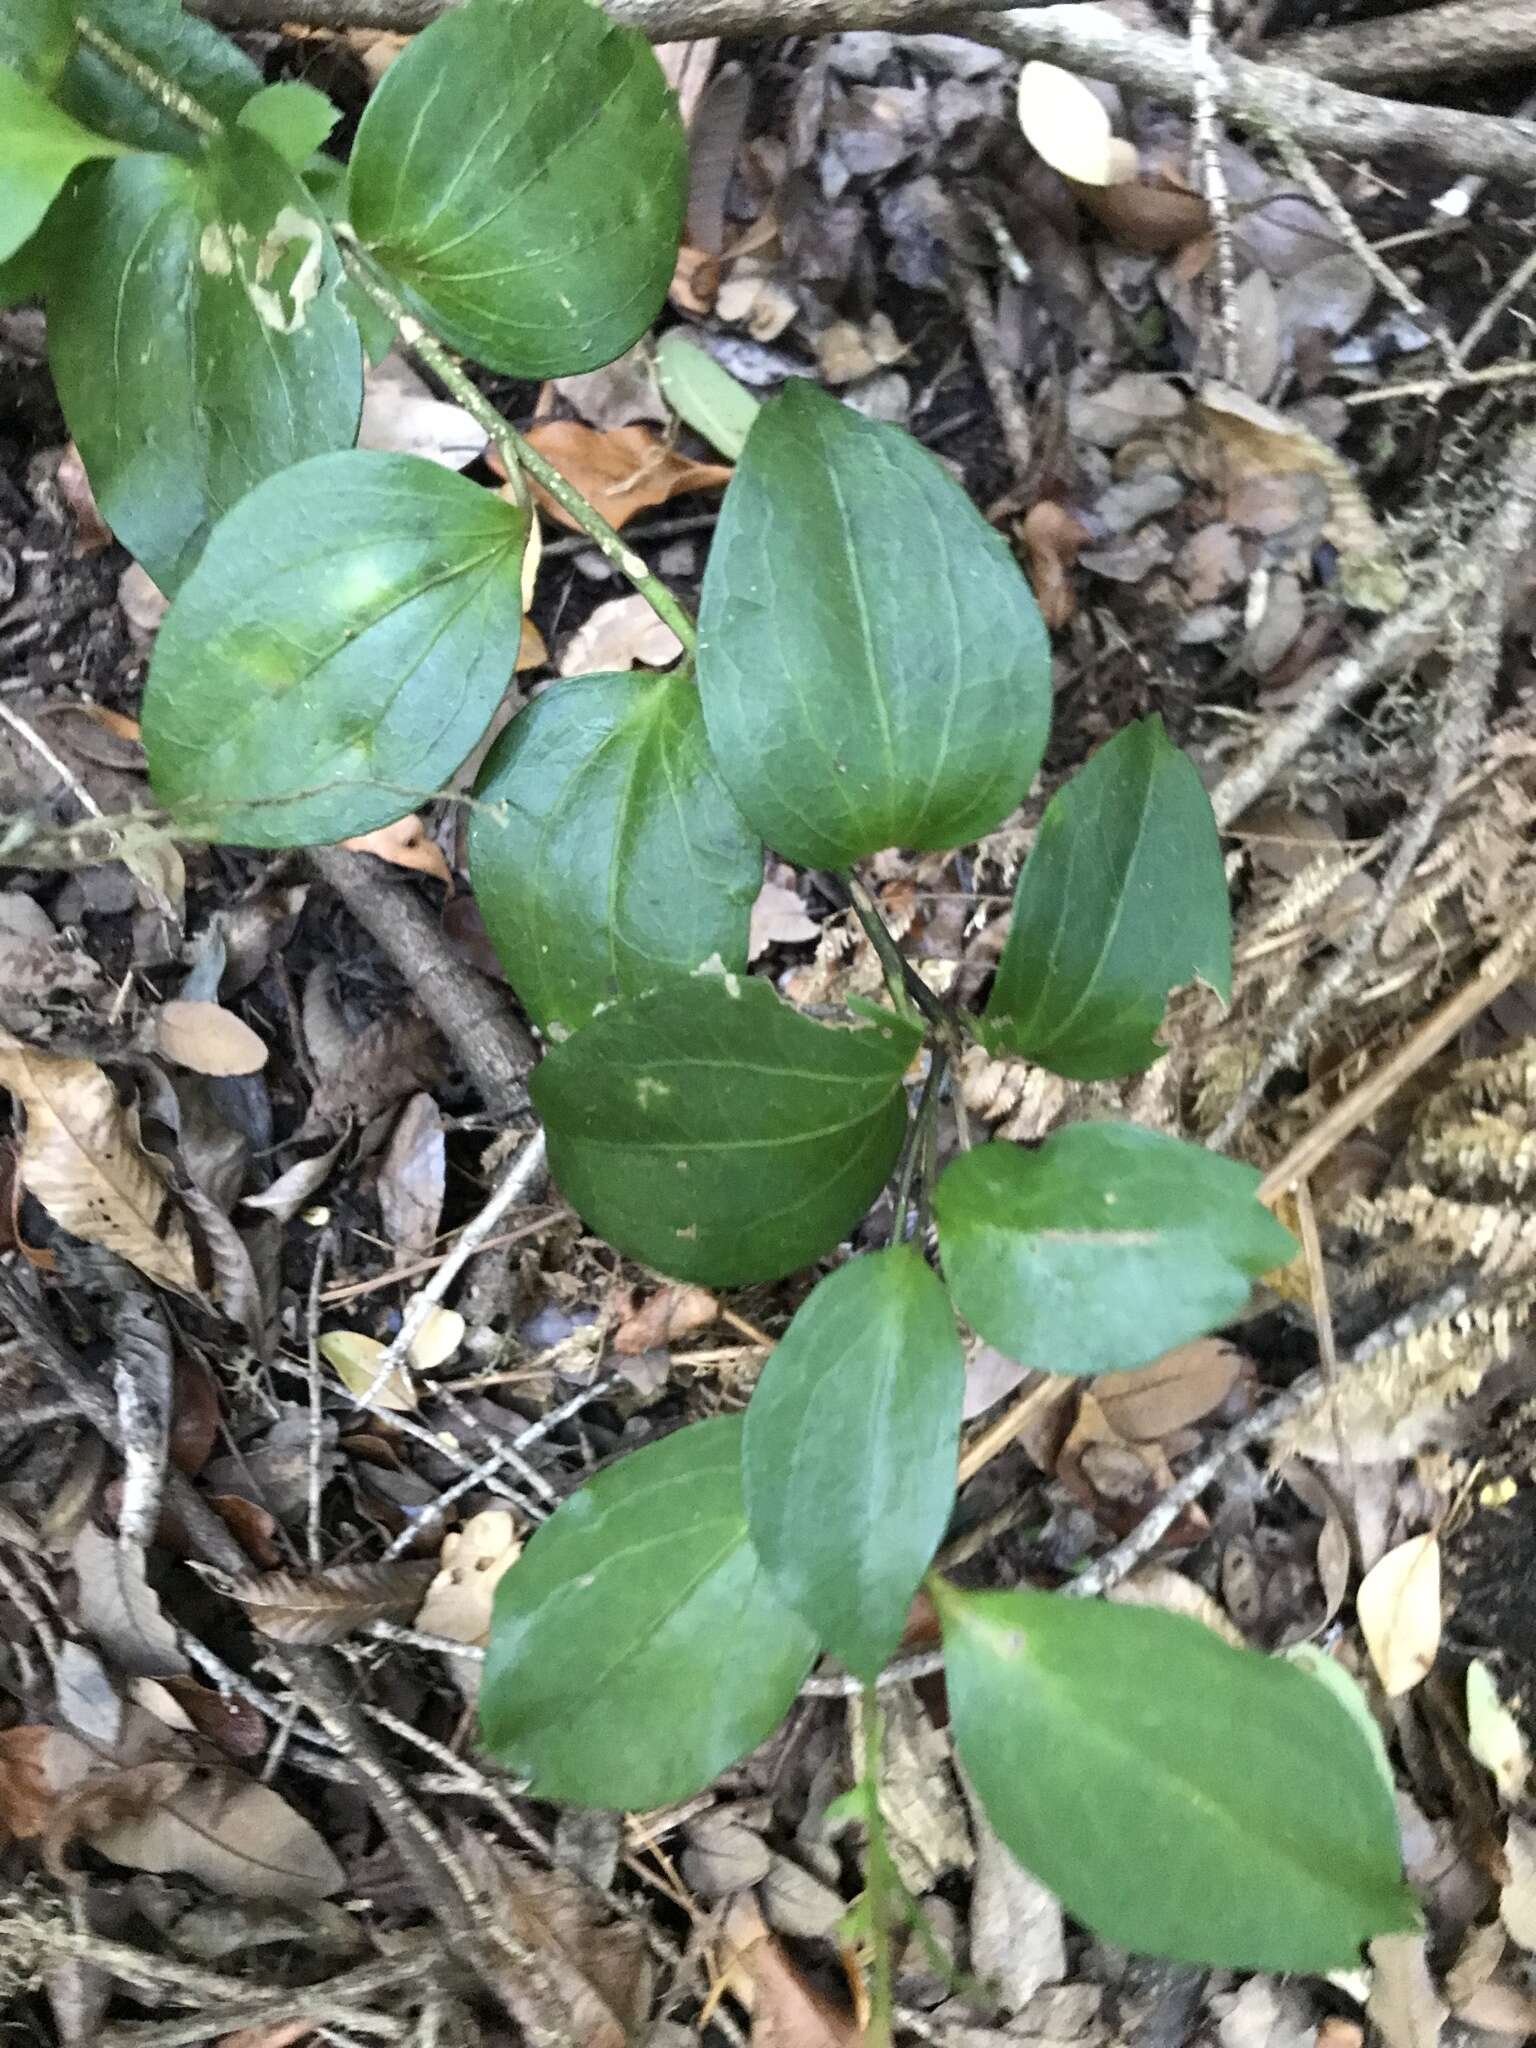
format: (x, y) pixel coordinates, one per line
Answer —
(261, 366)
(848, 1462)
(637, 1646)
(193, 55)
(703, 395)
(619, 861)
(717, 1135)
(1182, 1797)
(1104, 1248)
(291, 117)
(36, 39)
(873, 667)
(522, 170)
(337, 651)
(1123, 899)
(43, 148)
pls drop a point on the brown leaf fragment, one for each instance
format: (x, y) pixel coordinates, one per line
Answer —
(394, 1056)
(83, 1161)
(671, 1312)
(208, 1038)
(1172, 1392)
(405, 844)
(322, 1607)
(1053, 539)
(120, 1611)
(778, 919)
(622, 471)
(36, 1766)
(232, 1833)
(787, 2011)
(413, 1177)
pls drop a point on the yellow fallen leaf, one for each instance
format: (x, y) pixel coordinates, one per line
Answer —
(1398, 1605)
(1493, 1734)
(437, 1339)
(355, 1360)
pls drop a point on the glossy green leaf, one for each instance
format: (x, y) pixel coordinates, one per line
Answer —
(872, 664)
(1104, 1247)
(848, 1463)
(26, 274)
(292, 118)
(638, 1646)
(619, 862)
(197, 340)
(1181, 1797)
(1123, 899)
(336, 653)
(43, 147)
(206, 65)
(703, 395)
(36, 37)
(522, 169)
(710, 1131)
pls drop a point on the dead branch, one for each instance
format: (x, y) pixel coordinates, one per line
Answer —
(1084, 38)
(1458, 39)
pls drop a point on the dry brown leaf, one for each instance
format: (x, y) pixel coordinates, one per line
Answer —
(405, 844)
(1170, 1393)
(778, 919)
(471, 1564)
(208, 1038)
(413, 1176)
(234, 1834)
(1149, 218)
(91, 530)
(1398, 1606)
(119, 1610)
(1159, 1585)
(1407, 2010)
(623, 471)
(322, 1607)
(618, 635)
(355, 1360)
(531, 651)
(673, 1311)
(83, 1161)
(291, 1190)
(401, 415)
(32, 1779)
(1053, 539)
(786, 2011)
(1068, 124)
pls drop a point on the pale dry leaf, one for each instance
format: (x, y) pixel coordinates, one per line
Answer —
(85, 1696)
(1493, 1733)
(621, 472)
(144, 603)
(1136, 402)
(291, 1190)
(620, 634)
(531, 651)
(798, 1903)
(787, 2012)
(119, 1610)
(1172, 1392)
(355, 1360)
(1256, 313)
(401, 415)
(1068, 124)
(1018, 1935)
(1517, 1899)
(1398, 1605)
(405, 844)
(440, 1335)
(1481, 1952)
(413, 1177)
(624, 393)
(322, 1607)
(82, 1160)
(208, 1039)
(778, 919)
(924, 1814)
(471, 1564)
(1403, 2002)
(671, 1312)
(235, 1835)
(989, 1376)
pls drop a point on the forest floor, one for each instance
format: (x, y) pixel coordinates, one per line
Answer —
(1253, 422)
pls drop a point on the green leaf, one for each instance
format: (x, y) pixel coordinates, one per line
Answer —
(621, 862)
(1123, 899)
(207, 66)
(872, 664)
(197, 340)
(336, 653)
(710, 1131)
(292, 118)
(1103, 1248)
(36, 38)
(43, 149)
(1181, 1797)
(638, 1647)
(703, 395)
(852, 1438)
(522, 170)
(26, 274)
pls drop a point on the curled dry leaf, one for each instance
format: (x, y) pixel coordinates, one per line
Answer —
(622, 471)
(1170, 1393)
(620, 634)
(291, 1190)
(405, 844)
(119, 1609)
(322, 1607)
(471, 1564)
(83, 1161)
(355, 1360)
(1493, 1733)
(413, 1176)
(1053, 539)
(1152, 219)
(208, 1038)
(787, 2012)
(671, 1312)
(1398, 1605)
(1068, 124)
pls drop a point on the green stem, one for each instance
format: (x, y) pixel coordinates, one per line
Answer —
(516, 454)
(878, 1870)
(919, 1136)
(164, 91)
(908, 990)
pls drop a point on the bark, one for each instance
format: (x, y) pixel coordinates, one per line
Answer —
(1460, 39)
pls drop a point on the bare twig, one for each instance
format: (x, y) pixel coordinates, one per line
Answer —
(44, 752)
(1457, 38)
(1211, 179)
(1002, 388)
(314, 1473)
